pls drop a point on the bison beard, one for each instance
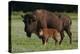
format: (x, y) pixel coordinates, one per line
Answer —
(28, 34)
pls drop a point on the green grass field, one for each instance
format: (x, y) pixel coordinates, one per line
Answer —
(21, 43)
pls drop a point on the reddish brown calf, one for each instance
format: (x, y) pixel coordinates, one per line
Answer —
(47, 33)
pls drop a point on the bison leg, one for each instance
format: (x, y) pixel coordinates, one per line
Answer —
(44, 40)
(55, 40)
(62, 37)
(69, 34)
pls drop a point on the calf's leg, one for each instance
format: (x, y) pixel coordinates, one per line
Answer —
(44, 40)
(55, 40)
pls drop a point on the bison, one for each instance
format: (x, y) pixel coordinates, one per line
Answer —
(53, 33)
(41, 19)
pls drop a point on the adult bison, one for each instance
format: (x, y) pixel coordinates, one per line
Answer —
(42, 19)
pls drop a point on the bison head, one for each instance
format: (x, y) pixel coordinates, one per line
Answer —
(30, 24)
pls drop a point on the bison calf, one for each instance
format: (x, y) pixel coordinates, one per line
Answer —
(47, 33)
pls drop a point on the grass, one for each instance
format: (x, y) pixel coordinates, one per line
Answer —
(21, 43)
